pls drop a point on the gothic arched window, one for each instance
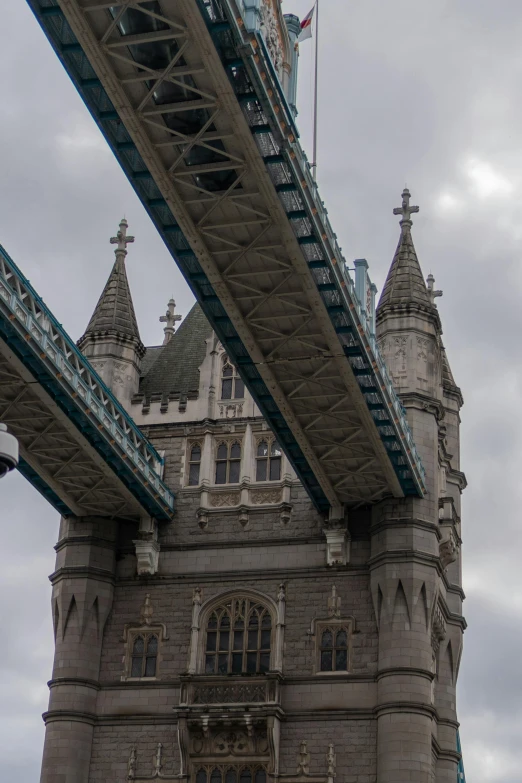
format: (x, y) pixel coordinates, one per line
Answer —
(268, 461)
(228, 462)
(232, 386)
(238, 638)
(194, 465)
(334, 649)
(144, 655)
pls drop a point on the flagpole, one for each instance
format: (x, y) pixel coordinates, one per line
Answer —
(314, 155)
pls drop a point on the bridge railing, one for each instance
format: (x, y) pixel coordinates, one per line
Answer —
(51, 343)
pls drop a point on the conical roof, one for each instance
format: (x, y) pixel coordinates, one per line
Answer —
(405, 288)
(405, 284)
(115, 310)
(114, 314)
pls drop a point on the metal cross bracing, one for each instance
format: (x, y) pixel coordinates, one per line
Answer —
(191, 105)
(78, 446)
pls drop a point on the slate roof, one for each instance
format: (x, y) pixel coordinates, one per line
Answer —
(176, 369)
(405, 286)
(114, 312)
(151, 354)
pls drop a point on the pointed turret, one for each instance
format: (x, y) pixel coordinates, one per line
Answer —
(112, 340)
(405, 290)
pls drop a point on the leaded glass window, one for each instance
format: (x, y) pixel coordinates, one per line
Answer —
(238, 639)
(268, 461)
(228, 463)
(232, 386)
(144, 658)
(194, 465)
(334, 649)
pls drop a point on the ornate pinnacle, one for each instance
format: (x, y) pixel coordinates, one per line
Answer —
(169, 319)
(121, 239)
(405, 210)
(430, 285)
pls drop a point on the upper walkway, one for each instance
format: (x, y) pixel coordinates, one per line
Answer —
(187, 96)
(78, 446)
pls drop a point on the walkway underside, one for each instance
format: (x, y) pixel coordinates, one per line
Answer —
(55, 455)
(190, 104)
(79, 448)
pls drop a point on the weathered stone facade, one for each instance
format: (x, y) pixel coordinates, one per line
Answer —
(377, 704)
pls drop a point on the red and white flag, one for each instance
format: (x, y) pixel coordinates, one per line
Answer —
(306, 26)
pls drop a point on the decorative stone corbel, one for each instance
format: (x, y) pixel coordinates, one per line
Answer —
(202, 517)
(147, 547)
(285, 514)
(243, 516)
(337, 542)
(448, 550)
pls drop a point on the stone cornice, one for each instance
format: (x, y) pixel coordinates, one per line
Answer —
(86, 683)
(410, 522)
(405, 556)
(417, 708)
(103, 543)
(78, 572)
(69, 715)
(393, 671)
(195, 577)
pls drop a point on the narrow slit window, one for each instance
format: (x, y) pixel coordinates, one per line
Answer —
(232, 386)
(194, 465)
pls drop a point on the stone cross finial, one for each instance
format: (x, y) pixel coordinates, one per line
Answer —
(157, 761)
(303, 764)
(430, 285)
(334, 604)
(131, 765)
(121, 239)
(146, 610)
(169, 319)
(331, 761)
(405, 210)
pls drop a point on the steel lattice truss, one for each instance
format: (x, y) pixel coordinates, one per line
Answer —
(53, 448)
(79, 447)
(190, 103)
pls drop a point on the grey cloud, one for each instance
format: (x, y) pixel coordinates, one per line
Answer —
(411, 92)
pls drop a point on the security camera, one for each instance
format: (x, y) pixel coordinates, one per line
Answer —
(8, 451)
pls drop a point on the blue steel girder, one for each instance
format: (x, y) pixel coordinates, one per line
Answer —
(79, 447)
(192, 107)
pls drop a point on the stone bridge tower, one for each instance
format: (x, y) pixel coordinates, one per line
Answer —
(236, 643)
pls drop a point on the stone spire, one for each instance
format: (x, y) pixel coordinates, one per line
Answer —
(114, 313)
(405, 288)
(112, 340)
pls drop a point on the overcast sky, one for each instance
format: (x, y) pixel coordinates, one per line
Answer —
(427, 94)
